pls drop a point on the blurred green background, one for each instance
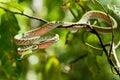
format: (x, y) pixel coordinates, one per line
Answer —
(59, 61)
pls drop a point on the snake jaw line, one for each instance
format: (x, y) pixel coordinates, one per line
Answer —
(18, 36)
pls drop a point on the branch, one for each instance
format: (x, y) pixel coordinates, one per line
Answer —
(92, 30)
(77, 59)
(67, 68)
(112, 41)
(118, 44)
(104, 49)
(115, 56)
(76, 18)
(32, 17)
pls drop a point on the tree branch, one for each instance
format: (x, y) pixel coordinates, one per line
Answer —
(104, 49)
(118, 44)
(32, 17)
(115, 56)
(92, 30)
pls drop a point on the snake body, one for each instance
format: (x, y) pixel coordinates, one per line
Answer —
(33, 39)
(94, 15)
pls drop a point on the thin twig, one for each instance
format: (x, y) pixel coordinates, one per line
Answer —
(104, 49)
(32, 17)
(79, 4)
(112, 41)
(101, 5)
(93, 46)
(112, 47)
(115, 56)
(77, 59)
(118, 44)
(73, 14)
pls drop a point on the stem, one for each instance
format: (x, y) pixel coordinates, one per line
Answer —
(115, 56)
(73, 14)
(77, 59)
(118, 44)
(112, 41)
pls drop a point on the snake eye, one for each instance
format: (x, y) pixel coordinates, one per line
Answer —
(34, 47)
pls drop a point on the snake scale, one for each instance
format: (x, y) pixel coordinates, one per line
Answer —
(34, 39)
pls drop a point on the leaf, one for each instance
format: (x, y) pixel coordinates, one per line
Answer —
(69, 38)
(8, 28)
(92, 41)
(52, 62)
(114, 9)
(12, 4)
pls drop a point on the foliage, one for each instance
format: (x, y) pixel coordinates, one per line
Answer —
(71, 58)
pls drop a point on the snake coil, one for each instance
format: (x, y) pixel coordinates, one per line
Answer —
(33, 39)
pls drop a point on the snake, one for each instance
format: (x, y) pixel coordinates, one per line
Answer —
(36, 39)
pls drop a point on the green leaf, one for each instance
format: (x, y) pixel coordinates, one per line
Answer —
(52, 62)
(13, 5)
(115, 9)
(8, 29)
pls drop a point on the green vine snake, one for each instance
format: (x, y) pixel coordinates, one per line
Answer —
(34, 39)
